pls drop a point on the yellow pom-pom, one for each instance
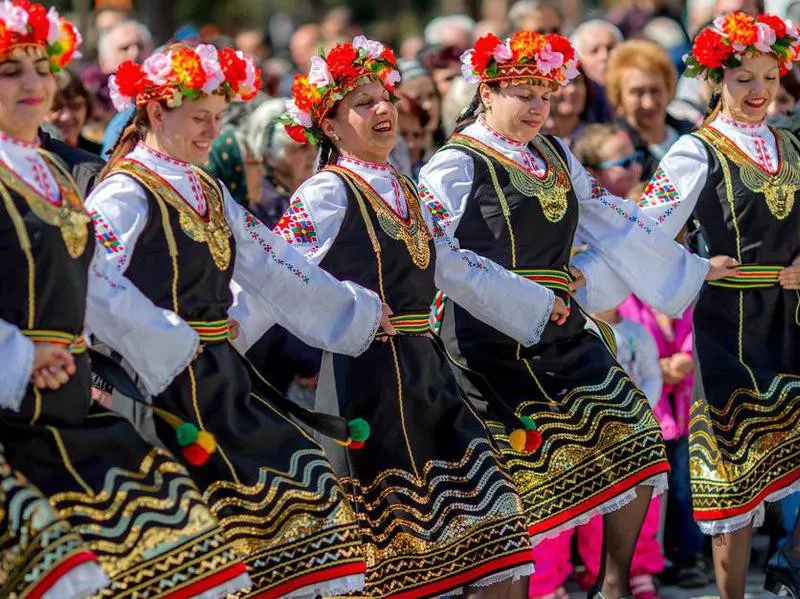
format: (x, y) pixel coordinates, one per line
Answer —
(207, 441)
(517, 440)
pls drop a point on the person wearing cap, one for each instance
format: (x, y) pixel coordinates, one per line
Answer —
(116, 500)
(740, 180)
(438, 514)
(517, 198)
(179, 239)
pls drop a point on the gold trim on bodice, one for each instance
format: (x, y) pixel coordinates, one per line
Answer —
(213, 229)
(70, 217)
(413, 232)
(551, 189)
(778, 189)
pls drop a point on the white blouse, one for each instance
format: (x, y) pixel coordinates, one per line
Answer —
(513, 305)
(673, 191)
(16, 350)
(622, 239)
(322, 311)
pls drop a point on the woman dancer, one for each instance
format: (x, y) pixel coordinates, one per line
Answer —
(436, 510)
(519, 198)
(173, 240)
(136, 508)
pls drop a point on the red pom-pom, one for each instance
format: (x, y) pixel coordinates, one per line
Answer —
(356, 445)
(195, 455)
(533, 441)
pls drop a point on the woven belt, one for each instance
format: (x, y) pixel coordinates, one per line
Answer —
(411, 324)
(212, 331)
(751, 276)
(74, 344)
(557, 280)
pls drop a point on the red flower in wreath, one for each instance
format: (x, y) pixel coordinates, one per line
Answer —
(560, 44)
(775, 23)
(297, 133)
(37, 20)
(484, 49)
(709, 49)
(741, 29)
(341, 60)
(130, 79)
(233, 67)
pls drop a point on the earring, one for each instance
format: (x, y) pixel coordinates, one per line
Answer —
(488, 108)
(335, 137)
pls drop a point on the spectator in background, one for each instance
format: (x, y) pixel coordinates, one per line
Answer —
(411, 122)
(418, 85)
(594, 40)
(411, 46)
(608, 154)
(302, 46)
(641, 82)
(107, 18)
(536, 15)
(130, 40)
(70, 112)
(444, 64)
(337, 24)
(785, 101)
(568, 109)
(450, 30)
(632, 16)
(286, 163)
(253, 43)
(669, 34)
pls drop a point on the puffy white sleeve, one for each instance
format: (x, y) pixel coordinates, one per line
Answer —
(511, 304)
(630, 252)
(156, 342)
(337, 316)
(16, 353)
(253, 319)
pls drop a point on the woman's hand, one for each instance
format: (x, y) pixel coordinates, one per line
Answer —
(578, 279)
(789, 277)
(52, 366)
(387, 328)
(560, 312)
(233, 329)
(721, 267)
(682, 364)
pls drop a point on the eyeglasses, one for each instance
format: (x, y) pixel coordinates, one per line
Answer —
(624, 162)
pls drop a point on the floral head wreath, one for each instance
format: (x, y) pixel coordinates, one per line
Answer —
(331, 78)
(182, 72)
(723, 44)
(24, 23)
(526, 56)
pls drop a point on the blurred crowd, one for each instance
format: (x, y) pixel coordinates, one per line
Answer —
(620, 116)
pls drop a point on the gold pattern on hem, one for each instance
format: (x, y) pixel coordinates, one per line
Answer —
(212, 230)
(413, 232)
(778, 189)
(551, 190)
(70, 217)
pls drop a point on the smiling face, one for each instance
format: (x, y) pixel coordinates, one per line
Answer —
(570, 100)
(517, 111)
(364, 123)
(186, 132)
(748, 90)
(618, 178)
(27, 89)
(644, 97)
(596, 44)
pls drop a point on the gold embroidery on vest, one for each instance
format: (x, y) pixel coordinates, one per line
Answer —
(69, 217)
(413, 233)
(551, 190)
(779, 189)
(214, 231)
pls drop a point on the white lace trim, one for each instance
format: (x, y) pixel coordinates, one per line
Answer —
(512, 574)
(542, 324)
(331, 588)
(234, 585)
(658, 482)
(754, 516)
(374, 329)
(81, 581)
(20, 385)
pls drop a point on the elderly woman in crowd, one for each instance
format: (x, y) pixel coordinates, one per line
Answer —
(641, 82)
(594, 40)
(569, 110)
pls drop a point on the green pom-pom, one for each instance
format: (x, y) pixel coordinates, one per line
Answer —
(186, 433)
(358, 429)
(527, 423)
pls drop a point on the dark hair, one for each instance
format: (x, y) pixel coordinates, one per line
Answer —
(434, 58)
(328, 154)
(410, 106)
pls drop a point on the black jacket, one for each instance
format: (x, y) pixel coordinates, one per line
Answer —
(83, 166)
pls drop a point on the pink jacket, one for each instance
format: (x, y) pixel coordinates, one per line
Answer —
(674, 423)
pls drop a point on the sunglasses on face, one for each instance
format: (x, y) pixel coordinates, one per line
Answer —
(624, 162)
